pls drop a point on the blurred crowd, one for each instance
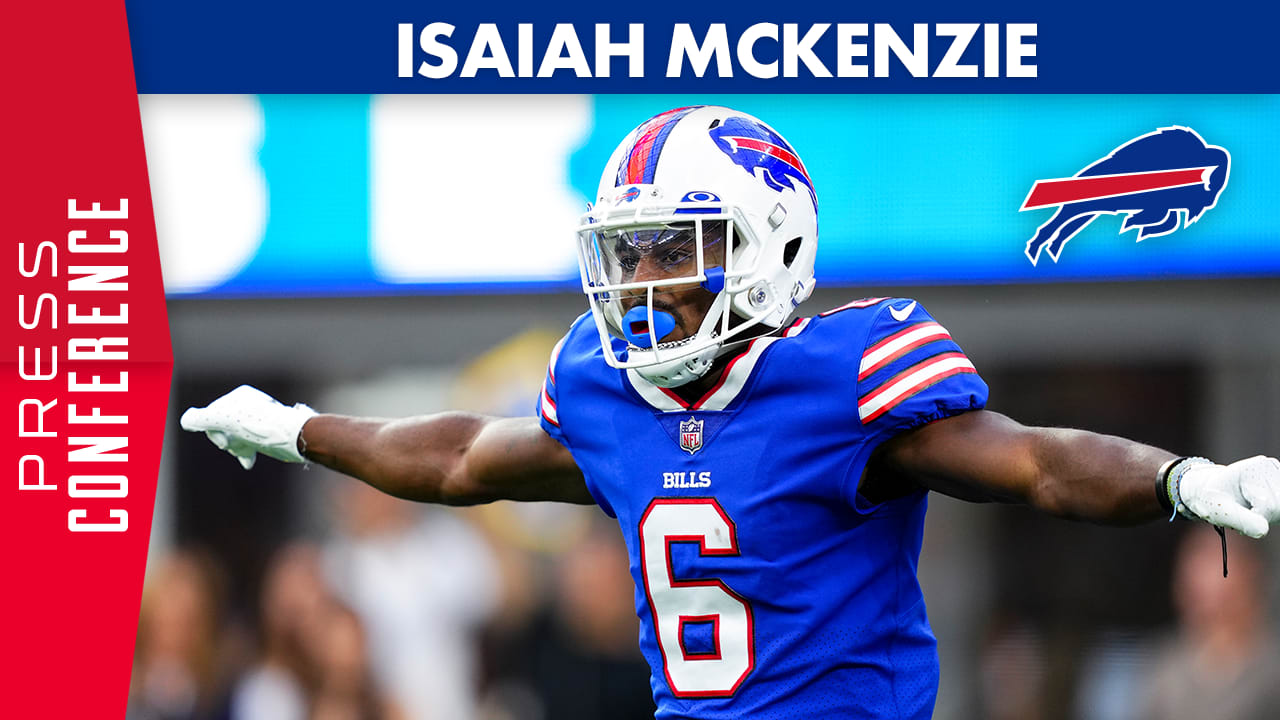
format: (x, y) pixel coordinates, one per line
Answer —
(1218, 661)
(404, 613)
(411, 613)
(286, 594)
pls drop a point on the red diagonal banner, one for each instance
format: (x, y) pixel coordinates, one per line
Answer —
(1046, 193)
(88, 361)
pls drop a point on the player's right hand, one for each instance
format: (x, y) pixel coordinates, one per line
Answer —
(247, 421)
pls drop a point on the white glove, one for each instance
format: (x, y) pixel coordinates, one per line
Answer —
(1243, 496)
(247, 421)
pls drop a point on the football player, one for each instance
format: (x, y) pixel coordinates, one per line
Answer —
(769, 474)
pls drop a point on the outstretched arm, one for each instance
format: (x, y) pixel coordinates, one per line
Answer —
(983, 455)
(451, 458)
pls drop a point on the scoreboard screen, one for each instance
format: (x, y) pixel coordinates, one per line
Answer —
(296, 195)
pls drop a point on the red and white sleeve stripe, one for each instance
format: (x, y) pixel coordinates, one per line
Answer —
(548, 407)
(907, 383)
(899, 344)
(546, 399)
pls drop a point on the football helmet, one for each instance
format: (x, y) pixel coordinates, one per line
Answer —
(702, 196)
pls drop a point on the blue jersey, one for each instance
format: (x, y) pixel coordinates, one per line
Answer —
(766, 585)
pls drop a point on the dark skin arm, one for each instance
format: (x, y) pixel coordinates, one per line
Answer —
(984, 456)
(451, 458)
(466, 459)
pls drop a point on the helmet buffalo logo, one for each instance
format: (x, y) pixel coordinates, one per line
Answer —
(1152, 179)
(691, 435)
(631, 194)
(753, 145)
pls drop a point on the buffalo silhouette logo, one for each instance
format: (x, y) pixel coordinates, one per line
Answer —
(753, 145)
(631, 194)
(1151, 179)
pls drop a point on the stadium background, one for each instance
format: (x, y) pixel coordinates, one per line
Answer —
(402, 255)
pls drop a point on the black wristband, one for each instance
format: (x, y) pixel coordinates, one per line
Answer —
(1162, 485)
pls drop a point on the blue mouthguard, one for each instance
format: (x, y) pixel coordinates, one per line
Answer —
(635, 325)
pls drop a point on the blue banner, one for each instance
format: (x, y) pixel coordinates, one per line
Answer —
(403, 46)
(387, 194)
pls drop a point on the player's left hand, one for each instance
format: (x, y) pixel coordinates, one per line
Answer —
(1243, 496)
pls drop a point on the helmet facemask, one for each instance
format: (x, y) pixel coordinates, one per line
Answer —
(641, 265)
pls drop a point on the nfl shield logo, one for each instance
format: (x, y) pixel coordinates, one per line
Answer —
(691, 435)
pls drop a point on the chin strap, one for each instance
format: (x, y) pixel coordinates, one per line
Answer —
(682, 371)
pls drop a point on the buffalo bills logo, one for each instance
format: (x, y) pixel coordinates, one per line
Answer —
(752, 145)
(691, 435)
(631, 194)
(1152, 179)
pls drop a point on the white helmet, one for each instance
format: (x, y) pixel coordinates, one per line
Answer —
(708, 184)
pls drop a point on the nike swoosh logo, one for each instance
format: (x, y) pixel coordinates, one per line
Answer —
(902, 314)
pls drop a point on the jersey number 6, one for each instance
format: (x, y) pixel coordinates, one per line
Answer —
(719, 670)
